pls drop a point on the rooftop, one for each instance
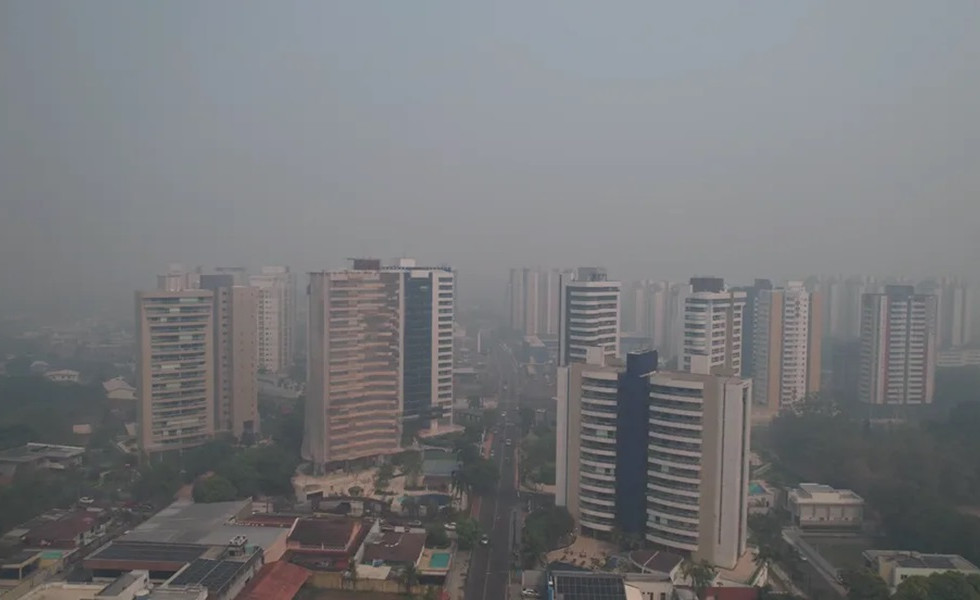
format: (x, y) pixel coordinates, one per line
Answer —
(33, 452)
(659, 561)
(147, 552)
(185, 522)
(216, 575)
(393, 547)
(121, 583)
(825, 493)
(324, 533)
(917, 560)
(64, 529)
(276, 581)
(588, 586)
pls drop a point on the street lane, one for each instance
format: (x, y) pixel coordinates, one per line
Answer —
(491, 565)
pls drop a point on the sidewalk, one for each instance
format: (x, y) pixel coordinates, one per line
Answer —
(456, 579)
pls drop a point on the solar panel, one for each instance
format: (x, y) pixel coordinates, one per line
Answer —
(589, 587)
(149, 552)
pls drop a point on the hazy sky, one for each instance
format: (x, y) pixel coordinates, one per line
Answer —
(659, 139)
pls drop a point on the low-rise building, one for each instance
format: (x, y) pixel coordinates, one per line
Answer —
(62, 376)
(51, 457)
(393, 549)
(895, 566)
(118, 389)
(818, 506)
(327, 543)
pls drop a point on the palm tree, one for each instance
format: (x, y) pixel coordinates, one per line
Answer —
(410, 577)
(700, 574)
(352, 574)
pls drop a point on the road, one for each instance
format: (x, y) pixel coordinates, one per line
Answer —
(490, 566)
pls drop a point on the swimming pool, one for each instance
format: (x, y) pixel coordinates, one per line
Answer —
(439, 560)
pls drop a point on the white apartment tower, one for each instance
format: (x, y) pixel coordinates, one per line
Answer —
(588, 315)
(533, 300)
(712, 327)
(175, 367)
(276, 318)
(898, 347)
(698, 465)
(786, 346)
(354, 367)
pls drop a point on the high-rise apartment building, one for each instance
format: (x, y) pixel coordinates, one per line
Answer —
(427, 350)
(532, 296)
(276, 318)
(602, 439)
(178, 278)
(898, 347)
(235, 343)
(174, 368)
(588, 315)
(354, 365)
(748, 323)
(786, 348)
(697, 488)
(954, 311)
(713, 327)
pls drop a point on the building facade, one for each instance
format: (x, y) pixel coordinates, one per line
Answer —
(175, 368)
(786, 348)
(354, 370)
(427, 350)
(276, 318)
(898, 347)
(813, 506)
(712, 327)
(532, 297)
(235, 346)
(698, 470)
(588, 315)
(601, 445)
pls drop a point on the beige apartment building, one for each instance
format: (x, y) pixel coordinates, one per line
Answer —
(787, 332)
(354, 372)
(175, 368)
(235, 355)
(276, 317)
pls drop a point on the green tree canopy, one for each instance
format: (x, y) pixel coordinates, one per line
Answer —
(214, 489)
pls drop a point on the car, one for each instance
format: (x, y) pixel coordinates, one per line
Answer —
(415, 523)
(450, 526)
(509, 442)
(485, 541)
(530, 593)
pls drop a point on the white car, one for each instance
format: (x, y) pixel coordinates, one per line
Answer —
(485, 541)
(530, 593)
(450, 526)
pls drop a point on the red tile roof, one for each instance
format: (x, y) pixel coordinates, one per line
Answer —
(275, 581)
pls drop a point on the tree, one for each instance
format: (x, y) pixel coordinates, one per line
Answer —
(156, 483)
(468, 533)
(436, 536)
(410, 577)
(352, 574)
(214, 489)
(701, 575)
(383, 477)
(950, 585)
(864, 584)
